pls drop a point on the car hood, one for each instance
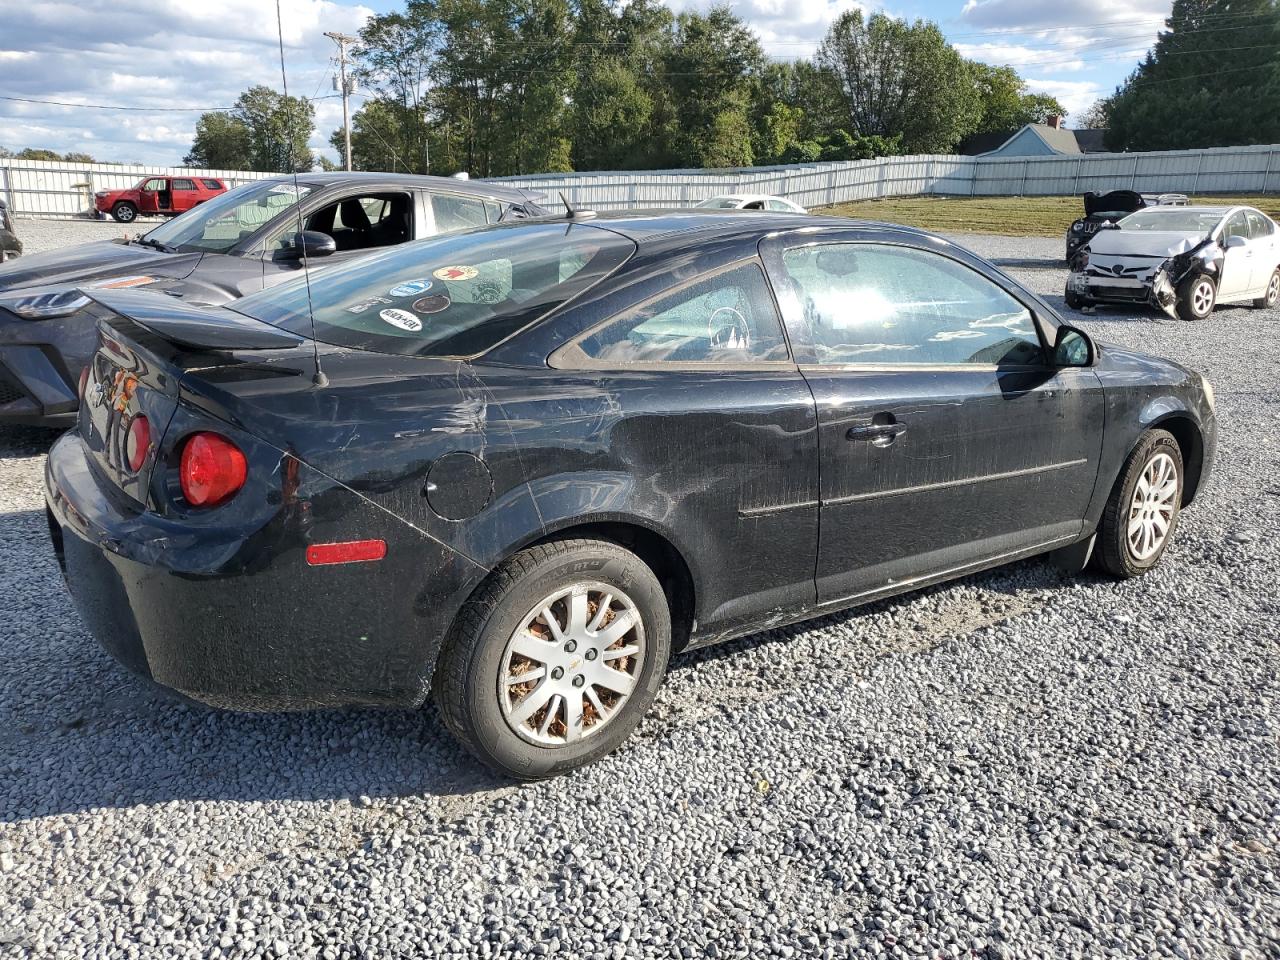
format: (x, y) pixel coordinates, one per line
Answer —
(1143, 243)
(105, 260)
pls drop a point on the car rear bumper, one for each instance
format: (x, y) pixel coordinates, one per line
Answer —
(40, 364)
(241, 622)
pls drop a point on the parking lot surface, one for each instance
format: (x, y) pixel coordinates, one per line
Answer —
(1019, 764)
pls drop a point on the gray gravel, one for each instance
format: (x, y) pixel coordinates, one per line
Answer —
(38, 236)
(1015, 765)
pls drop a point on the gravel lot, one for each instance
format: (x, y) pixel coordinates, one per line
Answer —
(1015, 765)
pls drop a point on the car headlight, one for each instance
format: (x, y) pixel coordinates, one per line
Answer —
(1077, 227)
(48, 306)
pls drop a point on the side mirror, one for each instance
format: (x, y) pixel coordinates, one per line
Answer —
(1236, 241)
(1073, 348)
(308, 243)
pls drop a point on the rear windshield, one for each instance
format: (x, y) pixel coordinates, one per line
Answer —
(719, 203)
(450, 296)
(1173, 219)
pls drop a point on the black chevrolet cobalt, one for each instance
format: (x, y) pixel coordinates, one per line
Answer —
(517, 468)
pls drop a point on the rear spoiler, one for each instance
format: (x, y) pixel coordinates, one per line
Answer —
(190, 325)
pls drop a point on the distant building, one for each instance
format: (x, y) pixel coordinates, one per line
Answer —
(1035, 140)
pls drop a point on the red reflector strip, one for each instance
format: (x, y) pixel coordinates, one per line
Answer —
(353, 551)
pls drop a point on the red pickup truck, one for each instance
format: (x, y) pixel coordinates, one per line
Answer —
(166, 196)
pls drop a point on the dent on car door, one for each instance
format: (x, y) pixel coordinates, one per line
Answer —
(685, 412)
(946, 439)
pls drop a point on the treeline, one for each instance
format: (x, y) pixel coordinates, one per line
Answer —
(500, 87)
(40, 153)
(1211, 80)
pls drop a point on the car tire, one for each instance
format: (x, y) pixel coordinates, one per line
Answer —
(1147, 495)
(1074, 301)
(502, 623)
(124, 212)
(1272, 296)
(1197, 296)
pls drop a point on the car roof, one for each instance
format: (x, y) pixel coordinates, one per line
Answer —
(643, 226)
(474, 188)
(1198, 208)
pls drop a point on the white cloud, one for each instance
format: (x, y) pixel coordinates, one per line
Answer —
(1075, 95)
(1016, 55)
(156, 54)
(787, 28)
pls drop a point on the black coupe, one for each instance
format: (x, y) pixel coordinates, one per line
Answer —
(519, 467)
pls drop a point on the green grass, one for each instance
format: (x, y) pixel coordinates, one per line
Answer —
(1011, 216)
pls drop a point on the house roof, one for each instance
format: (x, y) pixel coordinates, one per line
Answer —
(1058, 140)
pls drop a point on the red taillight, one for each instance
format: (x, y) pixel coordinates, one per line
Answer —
(352, 551)
(84, 382)
(136, 444)
(212, 469)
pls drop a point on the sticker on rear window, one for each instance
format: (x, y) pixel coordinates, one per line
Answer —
(402, 319)
(410, 288)
(432, 304)
(365, 304)
(456, 273)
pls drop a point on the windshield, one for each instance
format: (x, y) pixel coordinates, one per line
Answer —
(720, 203)
(217, 225)
(450, 296)
(1173, 220)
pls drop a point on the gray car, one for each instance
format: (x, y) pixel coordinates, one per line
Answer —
(10, 245)
(245, 240)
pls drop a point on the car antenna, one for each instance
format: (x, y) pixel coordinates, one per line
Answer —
(319, 380)
(572, 214)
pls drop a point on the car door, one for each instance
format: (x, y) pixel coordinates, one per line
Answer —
(1262, 241)
(692, 399)
(1237, 263)
(360, 221)
(184, 194)
(153, 196)
(946, 439)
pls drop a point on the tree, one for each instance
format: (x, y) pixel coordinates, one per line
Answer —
(1211, 80)
(900, 79)
(1097, 116)
(37, 153)
(78, 157)
(1006, 104)
(709, 71)
(222, 142)
(380, 131)
(265, 131)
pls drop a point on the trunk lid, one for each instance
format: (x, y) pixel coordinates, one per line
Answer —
(145, 343)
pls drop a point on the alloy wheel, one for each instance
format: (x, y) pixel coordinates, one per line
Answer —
(1152, 507)
(572, 664)
(1273, 290)
(1202, 298)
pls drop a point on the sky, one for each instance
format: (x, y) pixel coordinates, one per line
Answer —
(169, 59)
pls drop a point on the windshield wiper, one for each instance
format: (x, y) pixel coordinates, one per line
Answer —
(154, 245)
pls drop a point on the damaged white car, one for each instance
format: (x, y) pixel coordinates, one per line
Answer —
(1183, 260)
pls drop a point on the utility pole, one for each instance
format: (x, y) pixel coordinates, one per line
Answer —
(341, 39)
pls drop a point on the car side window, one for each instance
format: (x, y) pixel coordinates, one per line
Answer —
(867, 303)
(358, 222)
(155, 185)
(212, 184)
(1237, 226)
(453, 212)
(184, 184)
(724, 318)
(1259, 226)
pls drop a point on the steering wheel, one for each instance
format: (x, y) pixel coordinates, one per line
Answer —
(736, 332)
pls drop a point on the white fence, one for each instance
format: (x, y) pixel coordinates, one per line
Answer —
(1219, 170)
(56, 189)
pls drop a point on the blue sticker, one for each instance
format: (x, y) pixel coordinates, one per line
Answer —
(410, 288)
